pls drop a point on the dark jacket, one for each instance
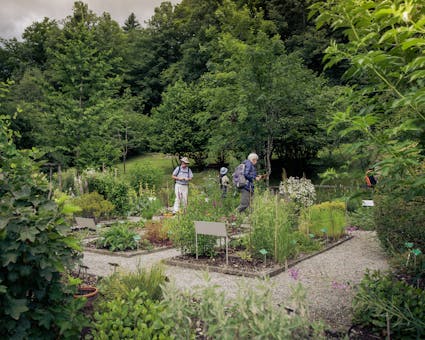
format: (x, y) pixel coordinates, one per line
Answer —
(250, 174)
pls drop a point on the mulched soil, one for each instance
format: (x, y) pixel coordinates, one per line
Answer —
(254, 265)
(235, 262)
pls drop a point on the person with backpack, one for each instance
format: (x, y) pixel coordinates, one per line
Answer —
(224, 182)
(182, 175)
(243, 179)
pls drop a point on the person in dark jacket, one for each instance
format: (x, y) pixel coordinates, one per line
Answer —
(250, 174)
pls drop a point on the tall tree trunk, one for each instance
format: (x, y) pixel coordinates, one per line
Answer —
(269, 150)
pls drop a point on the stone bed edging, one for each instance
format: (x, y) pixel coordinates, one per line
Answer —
(261, 274)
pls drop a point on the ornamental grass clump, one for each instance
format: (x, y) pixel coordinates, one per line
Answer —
(272, 222)
(327, 219)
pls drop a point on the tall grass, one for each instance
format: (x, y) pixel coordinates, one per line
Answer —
(324, 219)
(272, 222)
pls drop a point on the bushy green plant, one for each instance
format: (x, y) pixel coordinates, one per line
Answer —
(35, 251)
(182, 230)
(114, 189)
(146, 204)
(132, 316)
(272, 222)
(325, 219)
(121, 283)
(362, 218)
(399, 221)
(119, 236)
(304, 243)
(182, 234)
(383, 300)
(145, 175)
(250, 315)
(93, 205)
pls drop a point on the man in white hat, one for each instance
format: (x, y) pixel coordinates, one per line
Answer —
(181, 175)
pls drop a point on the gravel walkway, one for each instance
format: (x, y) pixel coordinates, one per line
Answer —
(329, 278)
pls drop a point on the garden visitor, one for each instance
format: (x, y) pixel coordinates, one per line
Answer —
(181, 175)
(224, 182)
(250, 174)
(370, 178)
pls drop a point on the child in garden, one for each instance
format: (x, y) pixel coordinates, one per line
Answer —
(224, 182)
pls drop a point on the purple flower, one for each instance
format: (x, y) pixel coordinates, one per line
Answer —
(337, 285)
(350, 229)
(294, 273)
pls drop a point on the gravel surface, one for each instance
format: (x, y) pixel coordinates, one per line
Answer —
(329, 278)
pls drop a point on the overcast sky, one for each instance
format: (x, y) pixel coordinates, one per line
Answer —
(16, 15)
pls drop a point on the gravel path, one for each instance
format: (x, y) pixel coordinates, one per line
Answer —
(329, 278)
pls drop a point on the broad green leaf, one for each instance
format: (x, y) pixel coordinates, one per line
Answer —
(28, 234)
(72, 243)
(16, 307)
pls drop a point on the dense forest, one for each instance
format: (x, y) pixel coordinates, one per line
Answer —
(308, 88)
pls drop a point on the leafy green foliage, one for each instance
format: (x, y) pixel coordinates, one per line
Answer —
(385, 111)
(132, 316)
(399, 221)
(383, 299)
(205, 205)
(250, 314)
(93, 205)
(272, 222)
(118, 237)
(114, 189)
(119, 284)
(144, 175)
(363, 218)
(327, 219)
(35, 250)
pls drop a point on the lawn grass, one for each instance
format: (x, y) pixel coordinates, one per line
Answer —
(158, 160)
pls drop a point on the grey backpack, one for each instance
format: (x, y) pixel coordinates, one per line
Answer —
(239, 179)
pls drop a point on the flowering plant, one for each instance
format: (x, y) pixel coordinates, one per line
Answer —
(299, 190)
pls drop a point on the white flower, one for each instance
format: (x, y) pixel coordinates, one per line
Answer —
(301, 191)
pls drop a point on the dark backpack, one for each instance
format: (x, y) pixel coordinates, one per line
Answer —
(239, 179)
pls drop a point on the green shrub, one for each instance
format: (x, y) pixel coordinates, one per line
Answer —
(304, 244)
(324, 219)
(182, 229)
(380, 297)
(119, 236)
(146, 204)
(362, 218)
(145, 175)
(252, 314)
(132, 316)
(148, 280)
(93, 205)
(115, 190)
(35, 251)
(399, 221)
(182, 234)
(272, 222)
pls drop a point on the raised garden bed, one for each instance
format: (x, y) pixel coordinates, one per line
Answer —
(91, 248)
(242, 267)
